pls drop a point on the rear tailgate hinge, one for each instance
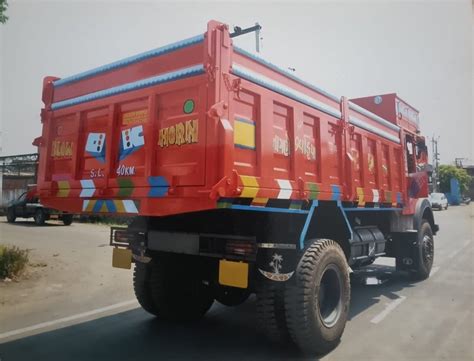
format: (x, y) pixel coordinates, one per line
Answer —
(232, 85)
(217, 110)
(226, 187)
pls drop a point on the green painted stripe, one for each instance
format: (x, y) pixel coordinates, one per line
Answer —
(126, 187)
(296, 205)
(224, 204)
(313, 190)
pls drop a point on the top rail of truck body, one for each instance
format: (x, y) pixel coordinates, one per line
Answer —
(201, 124)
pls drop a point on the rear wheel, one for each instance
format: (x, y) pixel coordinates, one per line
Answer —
(317, 304)
(177, 289)
(171, 289)
(39, 217)
(142, 288)
(11, 216)
(67, 219)
(271, 319)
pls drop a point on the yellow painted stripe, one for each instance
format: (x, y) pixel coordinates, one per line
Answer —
(103, 208)
(244, 134)
(258, 200)
(360, 196)
(119, 206)
(90, 206)
(250, 186)
(64, 189)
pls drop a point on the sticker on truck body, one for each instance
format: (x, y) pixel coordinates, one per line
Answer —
(276, 264)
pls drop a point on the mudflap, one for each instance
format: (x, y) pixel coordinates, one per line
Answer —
(276, 262)
(403, 246)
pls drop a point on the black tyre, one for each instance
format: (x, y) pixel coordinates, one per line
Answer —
(177, 291)
(142, 287)
(271, 320)
(446, 207)
(424, 253)
(11, 216)
(317, 303)
(67, 219)
(231, 296)
(39, 217)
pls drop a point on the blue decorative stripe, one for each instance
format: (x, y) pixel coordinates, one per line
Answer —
(285, 73)
(160, 79)
(284, 90)
(158, 181)
(267, 209)
(399, 198)
(243, 120)
(349, 227)
(307, 222)
(372, 209)
(97, 206)
(130, 60)
(158, 186)
(244, 146)
(336, 192)
(111, 206)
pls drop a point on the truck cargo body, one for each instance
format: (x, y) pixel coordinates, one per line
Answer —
(242, 174)
(272, 135)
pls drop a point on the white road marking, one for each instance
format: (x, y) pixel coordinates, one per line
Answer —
(457, 251)
(389, 308)
(63, 320)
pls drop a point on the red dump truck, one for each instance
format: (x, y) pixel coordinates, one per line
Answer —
(241, 178)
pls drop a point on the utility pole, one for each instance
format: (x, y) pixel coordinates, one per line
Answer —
(434, 145)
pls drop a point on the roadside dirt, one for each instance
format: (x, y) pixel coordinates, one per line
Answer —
(70, 267)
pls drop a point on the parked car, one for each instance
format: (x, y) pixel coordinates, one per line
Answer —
(438, 200)
(466, 200)
(27, 205)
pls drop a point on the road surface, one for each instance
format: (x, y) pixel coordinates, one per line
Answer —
(93, 316)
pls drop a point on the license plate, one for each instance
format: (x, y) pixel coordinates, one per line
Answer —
(234, 274)
(122, 258)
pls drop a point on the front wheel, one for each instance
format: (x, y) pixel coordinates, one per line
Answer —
(11, 215)
(424, 252)
(39, 217)
(317, 303)
(67, 219)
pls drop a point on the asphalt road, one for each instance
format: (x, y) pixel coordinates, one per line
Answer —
(392, 320)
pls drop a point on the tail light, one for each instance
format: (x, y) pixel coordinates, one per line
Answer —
(240, 248)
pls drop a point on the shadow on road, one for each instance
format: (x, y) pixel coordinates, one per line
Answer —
(224, 334)
(27, 223)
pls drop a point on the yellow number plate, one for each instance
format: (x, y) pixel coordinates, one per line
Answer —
(235, 274)
(122, 258)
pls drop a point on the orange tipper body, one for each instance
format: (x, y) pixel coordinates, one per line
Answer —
(202, 124)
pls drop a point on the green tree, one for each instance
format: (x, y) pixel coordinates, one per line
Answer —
(446, 172)
(3, 9)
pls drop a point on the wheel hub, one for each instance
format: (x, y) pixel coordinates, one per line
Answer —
(329, 296)
(427, 249)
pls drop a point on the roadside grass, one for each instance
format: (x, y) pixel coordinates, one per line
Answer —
(13, 261)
